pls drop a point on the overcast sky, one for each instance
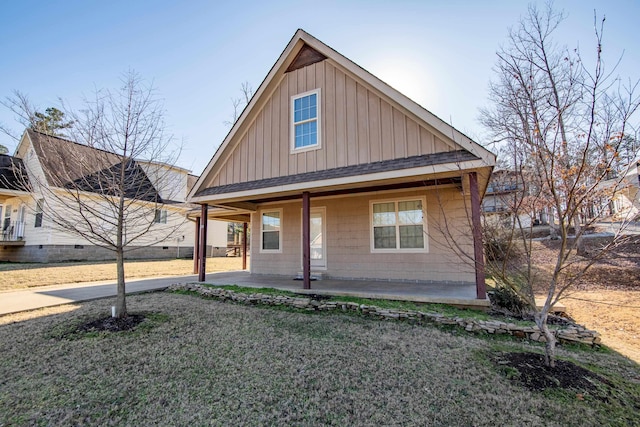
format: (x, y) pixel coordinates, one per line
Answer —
(197, 53)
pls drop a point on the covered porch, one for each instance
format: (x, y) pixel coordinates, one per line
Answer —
(442, 289)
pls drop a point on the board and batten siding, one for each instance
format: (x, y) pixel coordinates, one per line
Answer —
(357, 126)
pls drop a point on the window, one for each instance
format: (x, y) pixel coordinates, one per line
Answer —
(39, 211)
(7, 218)
(398, 225)
(160, 216)
(270, 235)
(305, 123)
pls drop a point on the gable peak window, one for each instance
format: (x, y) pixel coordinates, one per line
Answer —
(305, 121)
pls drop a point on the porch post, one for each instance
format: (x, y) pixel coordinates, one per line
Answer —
(203, 242)
(244, 245)
(306, 240)
(196, 247)
(476, 225)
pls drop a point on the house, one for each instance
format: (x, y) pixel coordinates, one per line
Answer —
(30, 235)
(625, 203)
(341, 176)
(505, 192)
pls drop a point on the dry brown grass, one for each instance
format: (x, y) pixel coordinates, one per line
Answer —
(214, 363)
(607, 298)
(20, 276)
(615, 314)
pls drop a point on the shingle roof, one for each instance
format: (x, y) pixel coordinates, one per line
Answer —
(67, 164)
(12, 174)
(346, 171)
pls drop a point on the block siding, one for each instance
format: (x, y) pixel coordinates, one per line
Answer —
(349, 240)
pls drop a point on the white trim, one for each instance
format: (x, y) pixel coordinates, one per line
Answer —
(346, 181)
(397, 249)
(271, 251)
(318, 120)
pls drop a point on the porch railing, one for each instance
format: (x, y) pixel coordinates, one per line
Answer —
(12, 231)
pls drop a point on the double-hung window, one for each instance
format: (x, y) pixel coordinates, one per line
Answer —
(160, 216)
(398, 226)
(271, 231)
(305, 121)
(39, 213)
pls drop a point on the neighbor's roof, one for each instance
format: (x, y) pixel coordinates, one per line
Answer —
(12, 174)
(68, 164)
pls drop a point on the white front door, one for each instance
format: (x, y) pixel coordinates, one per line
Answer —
(318, 238)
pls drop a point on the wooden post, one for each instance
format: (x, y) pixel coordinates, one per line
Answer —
(202, 269)
(244, 245)
(306, 240)
(476, 225)
(196, 248)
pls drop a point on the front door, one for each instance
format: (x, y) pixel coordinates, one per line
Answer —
(318, 238)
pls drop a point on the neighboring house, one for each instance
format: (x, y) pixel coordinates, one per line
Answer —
(625, 203)
(506, 189)
(342, 176)
(12, 187)
(28, 235)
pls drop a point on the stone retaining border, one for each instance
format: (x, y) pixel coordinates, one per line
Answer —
(574, 333)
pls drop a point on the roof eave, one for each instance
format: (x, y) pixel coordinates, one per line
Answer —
(380, 178)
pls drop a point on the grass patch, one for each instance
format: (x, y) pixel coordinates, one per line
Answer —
(229, 364)
(249, 290)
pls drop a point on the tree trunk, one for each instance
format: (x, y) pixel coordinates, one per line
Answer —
(550, 344)
(580, 247)
(121, 304)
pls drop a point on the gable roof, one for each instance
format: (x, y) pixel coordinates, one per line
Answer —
(68, 164)
(12, 174)
(304, 49)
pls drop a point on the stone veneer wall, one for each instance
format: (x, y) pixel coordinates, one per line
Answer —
(572, 333)
(60, 253)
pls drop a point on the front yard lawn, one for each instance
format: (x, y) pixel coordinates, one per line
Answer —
(28, 275)
(202, 362)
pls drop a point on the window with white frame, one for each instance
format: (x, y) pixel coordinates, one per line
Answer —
(39, 213)
(398, 225)
(271, 231)
(305, 121)
(160, 216)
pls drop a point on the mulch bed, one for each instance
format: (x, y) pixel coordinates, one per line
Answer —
(535, 375)
(112, 324)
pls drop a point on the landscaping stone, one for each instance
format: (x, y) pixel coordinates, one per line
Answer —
(571, 333)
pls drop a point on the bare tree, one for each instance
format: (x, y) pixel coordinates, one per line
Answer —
(240, 103)
(105, 185)
(563, 124)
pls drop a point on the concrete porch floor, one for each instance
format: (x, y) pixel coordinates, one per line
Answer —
(453, 294)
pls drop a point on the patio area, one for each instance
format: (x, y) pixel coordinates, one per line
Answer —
(461, 295)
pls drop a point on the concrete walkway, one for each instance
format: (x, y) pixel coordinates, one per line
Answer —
(47, 296)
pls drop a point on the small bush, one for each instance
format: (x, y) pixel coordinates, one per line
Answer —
(505, 299)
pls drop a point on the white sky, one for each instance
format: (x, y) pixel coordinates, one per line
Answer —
(199, 52)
